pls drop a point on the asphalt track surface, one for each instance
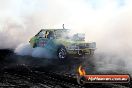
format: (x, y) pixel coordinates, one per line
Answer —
(28, 72)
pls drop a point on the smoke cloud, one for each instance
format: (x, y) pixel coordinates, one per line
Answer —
(107, 22)
(26, 50)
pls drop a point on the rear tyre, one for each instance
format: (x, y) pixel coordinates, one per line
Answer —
(62, 53)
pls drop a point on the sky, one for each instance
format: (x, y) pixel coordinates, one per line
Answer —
(65, 8)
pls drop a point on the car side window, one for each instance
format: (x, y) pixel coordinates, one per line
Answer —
(50, 35)
(46, 34)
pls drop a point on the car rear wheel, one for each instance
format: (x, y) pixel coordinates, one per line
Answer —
(62, 53)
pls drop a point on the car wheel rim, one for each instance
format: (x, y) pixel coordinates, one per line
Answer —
(62, 53)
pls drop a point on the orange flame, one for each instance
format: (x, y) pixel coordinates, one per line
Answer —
(81, 71)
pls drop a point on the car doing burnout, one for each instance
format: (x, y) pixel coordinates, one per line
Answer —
(58, 42)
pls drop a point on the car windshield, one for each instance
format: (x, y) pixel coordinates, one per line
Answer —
(42, 34)
(78, 37)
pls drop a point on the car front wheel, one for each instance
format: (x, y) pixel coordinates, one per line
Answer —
(62, 53)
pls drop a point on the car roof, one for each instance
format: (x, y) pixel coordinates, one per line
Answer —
(55, 29)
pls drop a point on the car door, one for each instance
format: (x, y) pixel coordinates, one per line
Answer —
(46, 40)
(42, 39)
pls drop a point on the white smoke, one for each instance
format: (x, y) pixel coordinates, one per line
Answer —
(26, 50)
(107, 22)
